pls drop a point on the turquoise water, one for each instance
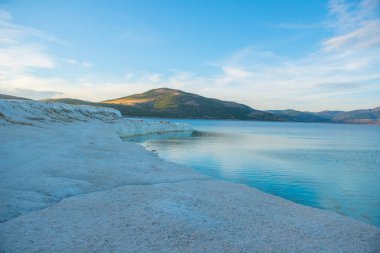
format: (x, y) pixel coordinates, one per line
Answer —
(329, 166)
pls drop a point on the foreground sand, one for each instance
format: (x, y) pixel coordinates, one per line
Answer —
(74, 186)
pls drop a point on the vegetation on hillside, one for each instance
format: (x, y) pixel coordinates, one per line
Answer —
(170, 103)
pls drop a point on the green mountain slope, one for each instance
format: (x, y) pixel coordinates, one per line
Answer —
(172, 103)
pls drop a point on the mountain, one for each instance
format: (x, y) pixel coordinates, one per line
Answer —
(165, 102)
(329, 115)
(170, 103)
(126, 110)
(369, 116)
(70, 101)
(364, 116)
(3, 96)
(298, 116)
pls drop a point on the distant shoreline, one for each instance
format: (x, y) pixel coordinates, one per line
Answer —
(171, 103)
(168, 118)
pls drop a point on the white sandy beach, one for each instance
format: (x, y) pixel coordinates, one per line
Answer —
(68, 183)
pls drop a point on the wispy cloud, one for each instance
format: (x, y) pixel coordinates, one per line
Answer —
(78, 63)
(347, 62)
(23, 50)
(341, 74)
(19, 55)
(12, 33)
(15, 53)
(357, 26)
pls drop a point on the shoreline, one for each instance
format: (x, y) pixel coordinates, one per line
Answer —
(376, 123)
(96, 192)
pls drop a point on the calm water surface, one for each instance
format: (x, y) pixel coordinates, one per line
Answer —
(330, 166)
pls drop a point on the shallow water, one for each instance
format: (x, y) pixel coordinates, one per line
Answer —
(330, 166)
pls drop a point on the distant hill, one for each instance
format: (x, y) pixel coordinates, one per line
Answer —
(298, 116)
(365, 116)
(164, 102)
(371, 116)
(329, 115)
(126, 110)
(171, 103)
(70, 101)
(3, 96)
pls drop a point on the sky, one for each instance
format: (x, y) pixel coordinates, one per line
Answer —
(308, 55)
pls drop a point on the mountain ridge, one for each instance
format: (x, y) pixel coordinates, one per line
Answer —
(176, 103)
(172, 103)
(4, 96)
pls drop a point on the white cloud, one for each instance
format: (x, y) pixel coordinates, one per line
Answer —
(348, 61)
(339, 75)
(29, 93)
(78, 63)
(357, 26)
(21, 56)
(87, 64)
(71, 61)
(15, 53)
(18, 58)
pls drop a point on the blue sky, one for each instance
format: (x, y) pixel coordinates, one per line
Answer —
(303, 54)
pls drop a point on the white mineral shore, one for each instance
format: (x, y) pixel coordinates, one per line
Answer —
(68, 183)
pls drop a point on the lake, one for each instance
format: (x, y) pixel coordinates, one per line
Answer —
(329, 166)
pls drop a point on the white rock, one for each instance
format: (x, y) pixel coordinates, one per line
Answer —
(72, 186)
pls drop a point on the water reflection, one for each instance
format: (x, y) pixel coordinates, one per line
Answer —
(336, 167)
(160, 136)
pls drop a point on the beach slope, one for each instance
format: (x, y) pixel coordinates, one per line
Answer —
(68, 183)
